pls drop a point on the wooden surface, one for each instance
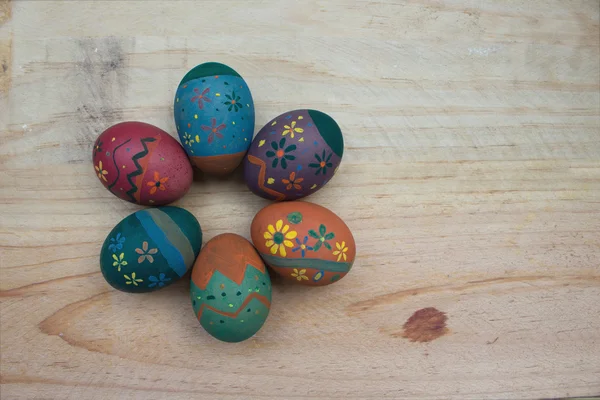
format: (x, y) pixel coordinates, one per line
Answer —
(471, 180)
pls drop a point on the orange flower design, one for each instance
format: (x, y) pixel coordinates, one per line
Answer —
(158, 183)
(293, 182)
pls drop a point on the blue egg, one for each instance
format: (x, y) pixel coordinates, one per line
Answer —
(214, 116)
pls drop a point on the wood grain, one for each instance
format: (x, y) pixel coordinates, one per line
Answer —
(471, 181)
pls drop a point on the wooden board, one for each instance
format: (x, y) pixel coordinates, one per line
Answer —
(471, 180)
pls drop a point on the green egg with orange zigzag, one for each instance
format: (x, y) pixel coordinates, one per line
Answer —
(230, 289)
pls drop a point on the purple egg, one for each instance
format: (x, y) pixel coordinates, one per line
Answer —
(293, 155)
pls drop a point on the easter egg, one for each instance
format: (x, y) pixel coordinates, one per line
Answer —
(150, 249)
(214, 116)
(230, 288)
(142, 164)
(293, 155)
(304, 242)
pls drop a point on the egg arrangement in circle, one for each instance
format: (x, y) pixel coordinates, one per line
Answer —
(292, 156)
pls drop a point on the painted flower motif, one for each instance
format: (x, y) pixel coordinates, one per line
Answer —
(294, 217)
(119, 261)
(293, 182)
(279, 237)
(214, 130)
(291, 129)
(233, 102)
(188, 139)
(132, 280)
(200, 97)
(98, 148)
(100, 171)
(341, 251)
(280, 153)
(302, 247)
(116, 243)
(299, 274)
(158, 183)
(322, 237)
(323, 163)
(145, 253)
(160, 281)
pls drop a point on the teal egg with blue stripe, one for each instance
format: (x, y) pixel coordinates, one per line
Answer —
(150, 249)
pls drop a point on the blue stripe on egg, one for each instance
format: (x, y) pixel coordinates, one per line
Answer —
(157, 227)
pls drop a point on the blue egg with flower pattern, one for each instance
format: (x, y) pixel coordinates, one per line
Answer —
(214, 116)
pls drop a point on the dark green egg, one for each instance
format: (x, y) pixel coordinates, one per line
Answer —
(150, 249)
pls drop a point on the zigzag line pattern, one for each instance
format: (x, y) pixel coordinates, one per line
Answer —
(261, 178)
(256, 296)
(139, 169)
(115, 163)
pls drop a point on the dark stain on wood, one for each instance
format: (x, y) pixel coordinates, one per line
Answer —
(493, 341)
(425, 325)
(100, 83)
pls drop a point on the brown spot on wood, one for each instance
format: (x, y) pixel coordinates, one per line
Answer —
(425, 325)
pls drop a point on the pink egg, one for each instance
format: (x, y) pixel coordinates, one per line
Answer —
(142, 164)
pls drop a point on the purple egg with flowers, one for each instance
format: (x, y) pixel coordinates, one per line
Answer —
(294, 155)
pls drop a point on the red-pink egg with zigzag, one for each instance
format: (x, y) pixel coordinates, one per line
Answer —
(142, 164)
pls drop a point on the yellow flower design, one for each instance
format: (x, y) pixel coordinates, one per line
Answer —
(101, 172)
(341, 251)
(187, 139)
(300, 274)
(279, 237)
(291, 129)
(133, 280)
(119, 261)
